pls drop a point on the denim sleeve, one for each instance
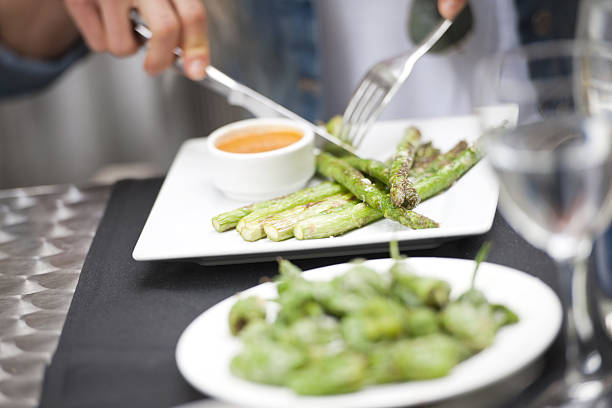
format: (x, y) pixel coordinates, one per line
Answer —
(19, 75)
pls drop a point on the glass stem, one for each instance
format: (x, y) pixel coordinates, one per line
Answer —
(582, 358)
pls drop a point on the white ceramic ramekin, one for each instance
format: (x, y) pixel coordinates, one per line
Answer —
(265, 175)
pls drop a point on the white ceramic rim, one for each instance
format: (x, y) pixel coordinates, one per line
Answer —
(307, 138)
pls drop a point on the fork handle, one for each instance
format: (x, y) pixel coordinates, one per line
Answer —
(422, 48)
(433, 37)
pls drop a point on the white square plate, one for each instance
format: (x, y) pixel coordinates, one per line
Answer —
(179, 225)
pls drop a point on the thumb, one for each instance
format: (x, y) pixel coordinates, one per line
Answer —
(451, 8)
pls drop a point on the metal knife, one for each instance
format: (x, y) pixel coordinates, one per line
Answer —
(240, 95)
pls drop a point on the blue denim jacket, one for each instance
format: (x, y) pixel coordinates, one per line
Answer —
(20, 75)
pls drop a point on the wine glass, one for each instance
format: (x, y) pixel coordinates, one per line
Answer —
(555, 173)
(594, 25)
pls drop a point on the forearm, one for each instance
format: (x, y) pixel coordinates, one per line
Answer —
(36, 29)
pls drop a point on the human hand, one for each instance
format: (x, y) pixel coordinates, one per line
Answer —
(36, 29)
(106, 27)
(451, 8)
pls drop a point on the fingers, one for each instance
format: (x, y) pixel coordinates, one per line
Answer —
(451, 8)
(165, 29)
(106, 26)
(194, 40)
(87, 17)
(120, 39)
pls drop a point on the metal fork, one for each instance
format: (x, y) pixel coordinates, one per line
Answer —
(378, 87)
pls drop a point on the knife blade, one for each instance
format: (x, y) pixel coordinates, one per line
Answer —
(241, 95)
(261, 106)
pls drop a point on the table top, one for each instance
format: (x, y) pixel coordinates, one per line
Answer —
(45, 233)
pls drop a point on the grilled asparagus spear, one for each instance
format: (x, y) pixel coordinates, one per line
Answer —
(333, 126)
(280, 226)
(401, 189)
(229, 220)
(250, 227)
(337, 222)
(371, 167)
(430, 185)
(352, 217)
(440, 161)
(425, 154)
(380, 170)
(365, 190)
(457, 161)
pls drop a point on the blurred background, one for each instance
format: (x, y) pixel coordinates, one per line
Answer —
(105, 119)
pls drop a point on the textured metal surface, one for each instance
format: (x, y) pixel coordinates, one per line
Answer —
(45, 233)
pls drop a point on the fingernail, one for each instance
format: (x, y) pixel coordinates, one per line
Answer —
(451, 8)
(196, 69)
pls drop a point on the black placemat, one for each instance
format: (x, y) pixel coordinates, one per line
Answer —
(117, 346)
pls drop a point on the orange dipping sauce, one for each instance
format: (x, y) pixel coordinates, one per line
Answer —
(258, 140)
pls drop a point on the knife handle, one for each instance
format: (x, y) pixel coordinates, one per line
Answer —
(144, 34)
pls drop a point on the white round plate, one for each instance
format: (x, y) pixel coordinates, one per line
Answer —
(206, 347)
